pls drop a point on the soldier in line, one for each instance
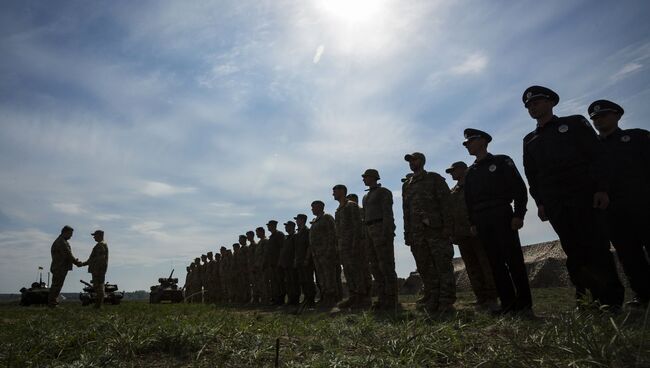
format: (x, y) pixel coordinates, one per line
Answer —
(252, 268)
(216, 279)
(303, 261)
(427, 230)
(97, 264)
(203, 274)
(188, 282)
(350, 250)
(472, 251)
(378, 215)
(231, 275)
(244, 272)
(322, 245)
(274, 272)
(364, 241)
(286, 263)
(491, 185)
(568, 177)
(260, 260)
(209, 279)
(237, 282)
(223, 272)
(629, 194)
(62, 261)
(196, 281)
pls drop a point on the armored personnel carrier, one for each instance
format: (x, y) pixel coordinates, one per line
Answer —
(35, 295)
(166, 291)
(111, 295)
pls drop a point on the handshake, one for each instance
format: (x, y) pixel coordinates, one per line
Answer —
(78, 263)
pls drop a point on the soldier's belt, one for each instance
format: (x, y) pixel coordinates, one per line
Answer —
(372, 222)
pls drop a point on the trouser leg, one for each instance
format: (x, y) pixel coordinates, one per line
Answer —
(98, 285)
(58, 278)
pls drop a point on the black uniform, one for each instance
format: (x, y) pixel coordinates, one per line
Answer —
(491, 185)
(628, 214)
(565, 165)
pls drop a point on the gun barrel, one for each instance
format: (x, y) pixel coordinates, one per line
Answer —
(85, 283)
(170, 275)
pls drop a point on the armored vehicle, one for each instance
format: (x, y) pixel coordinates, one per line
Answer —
(166, 291)
(111, 295)
(36, 294)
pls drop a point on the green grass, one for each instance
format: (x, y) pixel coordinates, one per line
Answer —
(137, 334)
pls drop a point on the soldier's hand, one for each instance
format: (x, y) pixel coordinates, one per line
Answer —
(601, 200)
(541, 213)
(472, 229)
(407, 239)
(516, 223)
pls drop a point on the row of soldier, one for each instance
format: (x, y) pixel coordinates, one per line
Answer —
(593, 190)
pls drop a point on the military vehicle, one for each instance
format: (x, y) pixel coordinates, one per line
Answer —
(111, 295)
(37, 294)
(166, 291)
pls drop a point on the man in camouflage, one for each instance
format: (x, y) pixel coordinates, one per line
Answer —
(286, 262)
(97, 264)
(476, 262)
(427, 230)
(378, 215)
(322, 245)
(244, 271)
(62, 261)
(237, 269)
(260, 257)
(216, 279)
(209, 279)
(303, 261)
(203, 277)
(273, 271)
(223, 272)
(350, 249)
(252, 267)
(187, 288)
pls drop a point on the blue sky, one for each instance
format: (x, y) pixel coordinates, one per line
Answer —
(176, 126)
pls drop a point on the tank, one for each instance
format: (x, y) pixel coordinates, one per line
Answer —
(35, 295)
(111, 294)
(166, 291)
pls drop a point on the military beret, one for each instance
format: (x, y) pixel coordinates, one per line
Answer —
(535, 92)
(250, 232)
(300, 216)
(242, 237)
(470, 134)
(197, 259)
(67, 228)
(371, 172)
(603, 106)
(272, 222)
(415, 155)
(318, 203)
(98, 232)
(290, 223)
(340, 186)
(210, 253)
(260, 229)
(456, 165)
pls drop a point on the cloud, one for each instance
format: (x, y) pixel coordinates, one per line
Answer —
(159, 189)
(473, 64)
(626, 70)
(319, 52)
(68, 208)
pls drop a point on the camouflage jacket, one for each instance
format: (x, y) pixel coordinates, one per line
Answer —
(301, 247)
(322, 237)
(426, 203)
(273, 249)
(260, 256)
(461, 226)
(348, 225)
(378, 208)
(287, 253)
(62, 258)
(98, 260)
(252, 249)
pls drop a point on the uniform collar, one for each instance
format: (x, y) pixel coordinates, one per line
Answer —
(375, 187)
(616, 133)
(487, 158)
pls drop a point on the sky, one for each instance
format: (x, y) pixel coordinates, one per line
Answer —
(175, 126)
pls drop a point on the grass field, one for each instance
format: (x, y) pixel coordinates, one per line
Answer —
(136, 334)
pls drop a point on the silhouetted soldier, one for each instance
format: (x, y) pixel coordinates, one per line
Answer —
(350, 250)
(472, 251)
(322, 245)
(303, 260)
(427, 230)
(380, 225)
(97, 264)
(62, 261)
(260, 260)
(244, 270)
(491, 185)
(568, 177)
(187, 288)
(209, 296)
(274, 272)
(252, 267)
(286, 262)
(629, 193)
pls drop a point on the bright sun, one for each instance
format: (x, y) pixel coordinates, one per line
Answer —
(353, 11)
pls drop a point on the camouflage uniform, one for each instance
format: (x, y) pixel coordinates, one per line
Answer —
(304, 264)
(187, 280)
(215, 285)
(196, 281)
(351, 252)
(263, 283)
(380, 226)
(290, 272)
(204, 278)
(427, 229)
(223, 272)
(253, 272)
(322, 245)
(274, 273)
(476, 262)
(62, 260)
(244, 272)
(97, 265)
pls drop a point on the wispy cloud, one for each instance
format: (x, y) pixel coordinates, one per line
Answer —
(159, 189)
(473, 64)
(627, 70)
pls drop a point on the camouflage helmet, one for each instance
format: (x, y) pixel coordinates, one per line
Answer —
(372, 173)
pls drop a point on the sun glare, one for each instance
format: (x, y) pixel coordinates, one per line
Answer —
(353, 11)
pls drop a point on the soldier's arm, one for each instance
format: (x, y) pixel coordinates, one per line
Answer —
(468, 201)
(530, 170)
(600, 166)
(355, 220)
(387, 212)
(443, 195)
(517, 188)
(407, 218)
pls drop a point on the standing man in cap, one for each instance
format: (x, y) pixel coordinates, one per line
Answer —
(322, 245)
(245, 272)
(187, 288)
(204, 281)
(97, 264)
(237, 282)
(260, 259)
(252, 267)
(380, 224)
(286, 263)
(491, 185)
(209, 280)
(226, 290)
(62, 261)
(350, 250)
(274, 272)
(303, 261)
(568, 178)
(216, 277)
(427, 231)
(196, 281)
(629, 193)
(472, 251)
